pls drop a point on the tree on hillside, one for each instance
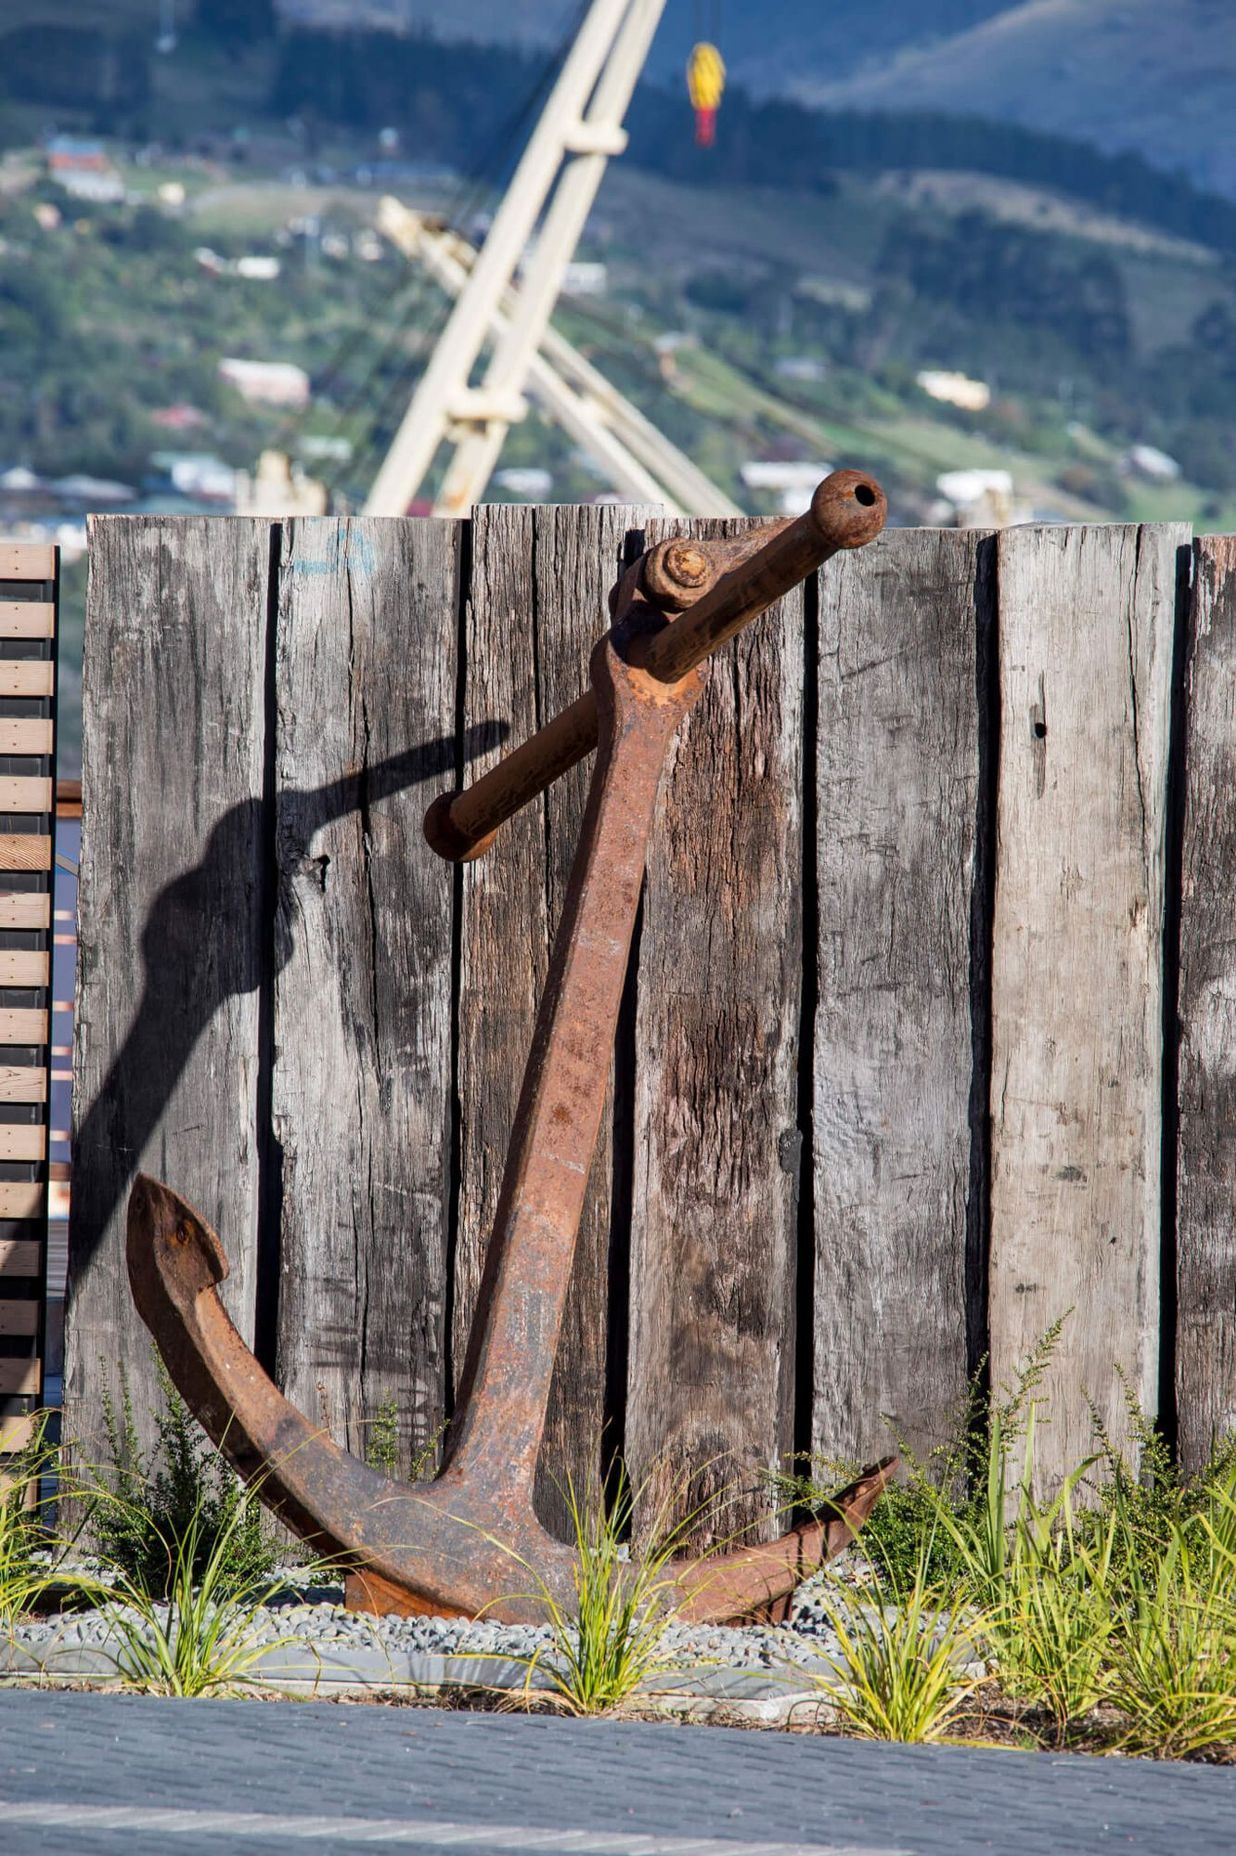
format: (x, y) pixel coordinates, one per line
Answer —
(236, 23)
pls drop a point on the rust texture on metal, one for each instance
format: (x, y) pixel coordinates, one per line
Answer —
(459, 1544)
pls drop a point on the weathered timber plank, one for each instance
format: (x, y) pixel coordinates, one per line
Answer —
(713, 1228)
(902, 626)
(21, 1140)
(23, 1082)
(504, 929)
(27, 618)
(1206, 1140)
(1086, 630)
(365, 720)
(172, 934)
(537, 604)
(579, 557)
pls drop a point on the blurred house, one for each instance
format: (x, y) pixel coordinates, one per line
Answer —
(791, 481)
(84, 169)
(977, 499)
(198, 476)
(955, 389)
(1149, 462)
(273, 383)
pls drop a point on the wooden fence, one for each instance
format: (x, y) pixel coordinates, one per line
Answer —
(899, 1080)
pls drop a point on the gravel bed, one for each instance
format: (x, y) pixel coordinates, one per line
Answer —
(314, 1642)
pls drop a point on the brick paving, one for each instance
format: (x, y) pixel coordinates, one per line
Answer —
(230, 1777)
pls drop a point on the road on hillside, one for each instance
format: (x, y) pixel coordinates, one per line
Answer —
(116, 1775)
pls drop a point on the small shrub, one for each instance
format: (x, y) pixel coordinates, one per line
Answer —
(902, 1671)
(382, 1443)
(149, 1508)
(25, 1574)
(193, 1632)
(611, 1643)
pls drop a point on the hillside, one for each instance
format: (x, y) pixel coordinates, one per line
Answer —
(1157, 76)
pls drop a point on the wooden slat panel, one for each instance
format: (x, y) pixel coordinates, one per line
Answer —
(900, 627)
(20, 1140)
(18, 1027)
(505, 922)
(25, 795)
(713, 1242)
(25, 909)
(19, 1319)
(20, 1256)
(1206, 1151)
(19, 1378)
(27, 618)
(21, 966)
(16, 1433)
(27, 560)
(174, 929)
(365, 693)
(25, 1082)
(25, 851)
(1085, 646)
(22, 1198)
(27, 677)
(25, 734)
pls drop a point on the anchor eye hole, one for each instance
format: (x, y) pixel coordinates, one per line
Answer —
(864, 494)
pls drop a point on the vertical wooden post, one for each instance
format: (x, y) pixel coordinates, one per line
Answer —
(536, 606)
(1206, 1151)
(364, 684)
(172, 936)
(713, 1241)
(904, 627)
(1086, 631)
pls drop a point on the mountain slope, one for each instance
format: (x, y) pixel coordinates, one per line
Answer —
(1158, 76)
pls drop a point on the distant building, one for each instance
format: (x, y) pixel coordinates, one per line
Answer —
(585, 277)
(1149, 462)
(791, 480)
(84, 169)
(198, 476)
(806, 367)
(955, 389)
(978, 498)
(273, 383)
(178, 418)
(258, 269)
(89, 492)
(279, 488)
(528, 481)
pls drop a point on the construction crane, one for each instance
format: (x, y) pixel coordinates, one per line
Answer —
(558, 176)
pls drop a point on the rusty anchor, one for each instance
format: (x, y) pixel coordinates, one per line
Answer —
(453, 1546)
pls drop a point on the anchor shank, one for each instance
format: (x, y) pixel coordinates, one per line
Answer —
(510, 1362)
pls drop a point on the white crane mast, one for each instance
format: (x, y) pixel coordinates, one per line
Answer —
(580, 128)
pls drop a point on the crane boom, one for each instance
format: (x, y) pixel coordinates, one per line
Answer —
(579, 129)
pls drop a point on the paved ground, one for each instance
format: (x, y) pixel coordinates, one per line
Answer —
(113, 1775)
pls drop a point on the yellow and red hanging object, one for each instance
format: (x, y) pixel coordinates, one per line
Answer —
(705, 87)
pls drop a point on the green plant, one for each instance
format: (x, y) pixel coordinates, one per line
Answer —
(382, 1443)
(611, 1643)
(25, 1572)
(1049, 1620)
(148, 1506)
(194, 1632)
(902, 1671)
